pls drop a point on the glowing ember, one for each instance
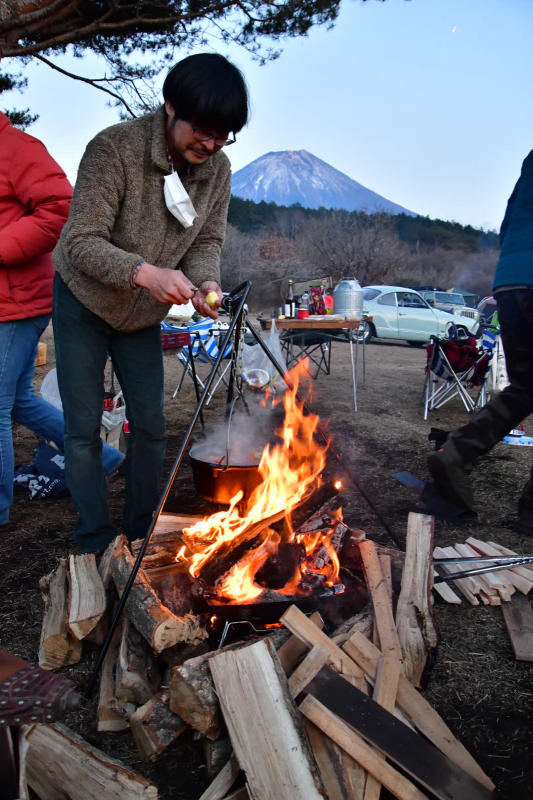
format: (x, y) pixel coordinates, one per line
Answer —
(289, 471)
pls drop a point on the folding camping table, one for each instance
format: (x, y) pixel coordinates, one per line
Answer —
(313, 339)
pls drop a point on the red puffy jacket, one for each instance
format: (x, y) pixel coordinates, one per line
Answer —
(34, 204)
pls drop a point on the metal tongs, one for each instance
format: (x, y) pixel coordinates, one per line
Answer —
(494, 563)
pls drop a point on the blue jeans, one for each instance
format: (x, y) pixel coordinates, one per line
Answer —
(18, 401)
(83, 341)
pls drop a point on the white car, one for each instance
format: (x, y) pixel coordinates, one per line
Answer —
(401, 313)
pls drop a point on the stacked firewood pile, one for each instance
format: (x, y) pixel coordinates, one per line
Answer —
(294, 714)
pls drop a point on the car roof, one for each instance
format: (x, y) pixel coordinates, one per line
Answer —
(392, 289)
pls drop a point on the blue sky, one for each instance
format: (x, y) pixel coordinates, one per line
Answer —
(439, 122)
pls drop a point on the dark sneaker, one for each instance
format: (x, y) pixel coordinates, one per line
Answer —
(524, 525)
(451, 480)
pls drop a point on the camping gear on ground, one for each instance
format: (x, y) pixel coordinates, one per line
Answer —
(200, 346)
(348, 299)
(454, 365)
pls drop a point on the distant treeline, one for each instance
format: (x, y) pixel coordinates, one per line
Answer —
(250, 217)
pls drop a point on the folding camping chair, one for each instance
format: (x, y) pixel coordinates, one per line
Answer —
(202, 348)
(314, 345)
(456, 365)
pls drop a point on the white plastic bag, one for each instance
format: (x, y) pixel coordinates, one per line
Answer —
(258, 367)
(50, 389)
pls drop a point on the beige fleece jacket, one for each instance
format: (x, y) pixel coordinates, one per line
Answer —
(118, 217)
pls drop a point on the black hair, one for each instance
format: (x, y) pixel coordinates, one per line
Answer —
(209, 91)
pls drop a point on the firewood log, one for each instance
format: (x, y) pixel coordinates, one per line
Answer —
(137, 678)
(61, 764)
(350, 557)
(193, 697)
(57, 647)
(113, 713)
(363, 621)
(154, 621)
(176, 593)
(155, 726)
(216, 755)
(414, 614)
(87, 599)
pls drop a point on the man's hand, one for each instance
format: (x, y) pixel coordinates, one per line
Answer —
(167, 286)
(199, 299)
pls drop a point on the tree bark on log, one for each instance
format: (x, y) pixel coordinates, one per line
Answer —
(193, 696)
(57, 647)
(155, 726)
(363, 621)
(61, 764)
(154, 621)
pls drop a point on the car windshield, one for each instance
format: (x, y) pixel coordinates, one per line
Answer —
(448, 297)
(370, 294)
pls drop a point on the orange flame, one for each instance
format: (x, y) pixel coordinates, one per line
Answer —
(288, 470)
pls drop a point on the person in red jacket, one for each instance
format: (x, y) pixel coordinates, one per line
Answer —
(34, 205)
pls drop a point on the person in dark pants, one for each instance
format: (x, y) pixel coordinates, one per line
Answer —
(513, 289)
(146, 226)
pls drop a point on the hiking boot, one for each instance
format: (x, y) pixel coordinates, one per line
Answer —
(451, 480)
(524, 525)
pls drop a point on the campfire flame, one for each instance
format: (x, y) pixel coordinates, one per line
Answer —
(289, 471)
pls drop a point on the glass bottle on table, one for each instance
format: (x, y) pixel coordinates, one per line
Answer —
(290, 305)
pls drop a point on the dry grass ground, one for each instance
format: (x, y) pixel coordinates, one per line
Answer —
(481, 691)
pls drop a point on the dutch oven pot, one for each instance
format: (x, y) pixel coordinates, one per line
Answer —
(218, 483)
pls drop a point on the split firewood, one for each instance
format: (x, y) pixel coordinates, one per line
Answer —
(153, 620)
(446, 591)
(137, 678)
(414, 613)
(342, 776)
(390, 644)
(354, 745)
(57, 648)
(518, 617)
(113, 713)
(419, 711)
(465, 585)
(61, 764)
(87, 600)
(155, 726)
(351, 558)
(492, 582)
(104, 567)
(291, 652)
(223, 782)
(526, 570)
(264, 724)
(193, 697)
(308, 669)
(512, 578)
(176, 593)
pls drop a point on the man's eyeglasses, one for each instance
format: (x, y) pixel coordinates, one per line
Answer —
(202, 136)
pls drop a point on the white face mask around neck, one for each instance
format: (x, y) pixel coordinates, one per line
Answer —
(178, 201)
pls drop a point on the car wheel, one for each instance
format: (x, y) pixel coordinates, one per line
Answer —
(416, 344)
(364, 333)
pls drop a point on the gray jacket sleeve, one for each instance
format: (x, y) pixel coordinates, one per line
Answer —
(201, 262)
(95, 206)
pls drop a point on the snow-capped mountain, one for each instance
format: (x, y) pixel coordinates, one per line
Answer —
(296, 176)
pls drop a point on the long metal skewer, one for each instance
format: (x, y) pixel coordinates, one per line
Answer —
(454, 576)
(483, 559)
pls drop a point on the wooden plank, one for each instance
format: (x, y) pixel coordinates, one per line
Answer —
(446, 591)
(310, 666)
(409, 751)
(61, 764)
(465, 585)
(522, 584)
(390, 645)
(492, 582)
(385, 691)
(294, 648)
(419, 711)
(526, 570)
(264, 724)
(299, 625)
(518, 617)
(417, 633)
(340, 733)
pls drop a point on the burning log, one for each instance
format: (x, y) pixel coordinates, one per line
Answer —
(176, 593)
(414, 615)
(155, 726)
(61, 764)
(137, 678)
(279, 568)
(113, 713)
(153, 620)
(57, 647)
(193, 696)
(87, 599)
(165, 541)
(264, 724)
